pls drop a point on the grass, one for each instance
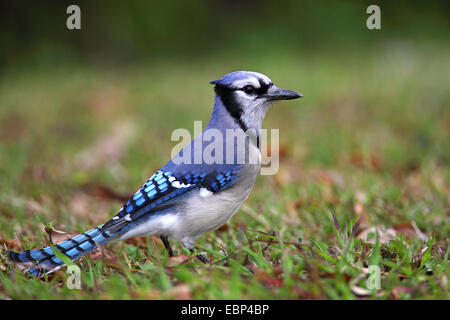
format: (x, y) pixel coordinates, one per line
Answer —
(363, 178)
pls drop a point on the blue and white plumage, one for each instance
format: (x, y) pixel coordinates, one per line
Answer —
(183, 200)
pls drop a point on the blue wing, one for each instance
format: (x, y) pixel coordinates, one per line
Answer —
(164, 189)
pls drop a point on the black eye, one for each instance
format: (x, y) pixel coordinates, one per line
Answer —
(249, 89)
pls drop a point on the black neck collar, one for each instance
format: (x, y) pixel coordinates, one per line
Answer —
(228, 99)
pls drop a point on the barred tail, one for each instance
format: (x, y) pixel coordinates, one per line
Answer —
(44, 261)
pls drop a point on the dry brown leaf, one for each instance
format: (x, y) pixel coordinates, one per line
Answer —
(84, 206)
(329, 177)
(106, 257)
(177, 260)
(266, 279)
(272, 282)
(283, 177)
(357, 159)
(104, 192)
(330, 197)
(224, 228)
(31, 205)
(375, 162)
(359, 207)
(443, 281)
(108, 148)
(145, 294)
(409, 229)
(58, 236)
(305, 294)
(35, 172)
(266, 151)
(397, 291)
(385, 235)
(141, 242)
(180, 292)
(96, 254)
(10, 243)
(80, 204)
(12, 128)
(104, 99)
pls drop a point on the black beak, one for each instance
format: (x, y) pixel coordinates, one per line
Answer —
(275, 93)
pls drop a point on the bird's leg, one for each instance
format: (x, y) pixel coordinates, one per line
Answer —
(200, 257)
(166, 243)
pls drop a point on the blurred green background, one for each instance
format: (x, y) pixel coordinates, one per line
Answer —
(131, 31)
(88, 111)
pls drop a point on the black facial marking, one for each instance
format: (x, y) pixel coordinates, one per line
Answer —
(263, 87)
(251, 90)
(229, 100)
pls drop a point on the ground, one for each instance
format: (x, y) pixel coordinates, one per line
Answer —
(362, 188)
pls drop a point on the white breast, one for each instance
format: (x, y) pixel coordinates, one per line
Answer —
(207, 211)
(202, 212)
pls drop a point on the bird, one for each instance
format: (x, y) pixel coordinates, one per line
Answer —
(186, 197)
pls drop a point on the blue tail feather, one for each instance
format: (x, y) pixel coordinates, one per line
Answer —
(45, 261)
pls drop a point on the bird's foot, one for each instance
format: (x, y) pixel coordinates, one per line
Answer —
(166, 243)
(200, 257)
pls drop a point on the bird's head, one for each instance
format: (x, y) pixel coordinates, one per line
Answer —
(248, 95)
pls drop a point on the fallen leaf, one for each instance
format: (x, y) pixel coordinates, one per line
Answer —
(145, 294)
(141, 242)
(385, 235)
(180, 292)
(12, 128)
(177, 260)
(10, 243)
(224, 227)
(95, 254)
(409, 229)
(305, 294)
(357, 159)
(108, 148)
(265, 278)
(58, 236)
(375, 162)
(397, 292)
(329, 177)
(104, 192)
(283, 177)
(272, 282)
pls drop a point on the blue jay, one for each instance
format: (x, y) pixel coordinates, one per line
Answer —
(186, 198)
